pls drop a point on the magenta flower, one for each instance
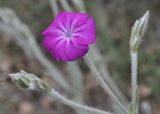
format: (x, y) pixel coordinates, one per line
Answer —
(69, 36)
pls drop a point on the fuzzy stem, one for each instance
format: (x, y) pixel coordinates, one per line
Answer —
(134, 81)
(99, 78)
(75, 105)
(54, 6)
(66, 5)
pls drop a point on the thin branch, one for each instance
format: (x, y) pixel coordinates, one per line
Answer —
(66, 5)
(102, 82)
(134, 81)
(100, 64)
(54, 7)
(79, 4)
(75, 105)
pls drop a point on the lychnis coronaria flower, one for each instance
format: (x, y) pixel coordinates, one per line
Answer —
(69, 36)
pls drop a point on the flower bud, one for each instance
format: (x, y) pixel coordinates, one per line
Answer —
(138, 31)
(25, 80)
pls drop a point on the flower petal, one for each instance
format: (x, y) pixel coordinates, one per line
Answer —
(71, 51)
(85, 34)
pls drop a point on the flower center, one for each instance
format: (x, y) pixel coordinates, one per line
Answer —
(69, 35)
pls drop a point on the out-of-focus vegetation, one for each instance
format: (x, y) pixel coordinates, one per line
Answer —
(114, 19)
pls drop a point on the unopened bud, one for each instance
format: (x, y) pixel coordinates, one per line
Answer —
(138, 31)
(24, 80)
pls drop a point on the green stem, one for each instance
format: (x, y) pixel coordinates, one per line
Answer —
(75, 105)
(134, 102)
(99, 78)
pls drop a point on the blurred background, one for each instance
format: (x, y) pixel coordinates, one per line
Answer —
(21, 24)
